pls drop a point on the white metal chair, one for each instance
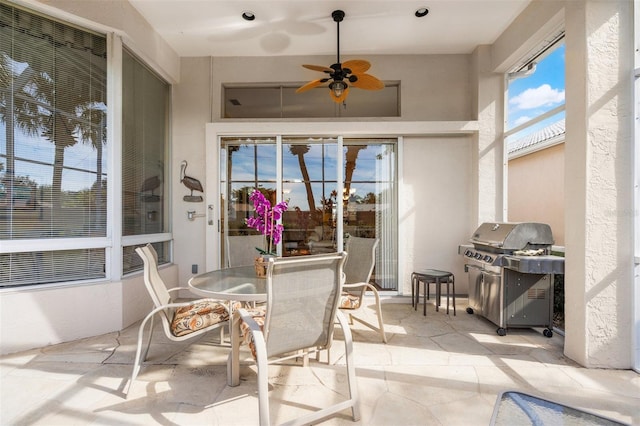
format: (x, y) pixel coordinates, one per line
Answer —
(180, 321)
(358, 269)
(301, 311)
(241, 249)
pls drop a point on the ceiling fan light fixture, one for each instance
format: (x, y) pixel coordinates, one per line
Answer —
(422, 12)
(247, 15)
(341, 76)
(338, 88)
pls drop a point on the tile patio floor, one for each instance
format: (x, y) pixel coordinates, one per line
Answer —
(435, 370)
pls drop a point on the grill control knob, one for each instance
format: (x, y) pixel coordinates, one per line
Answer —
(478, 256)
(487, 259)
(468, 253)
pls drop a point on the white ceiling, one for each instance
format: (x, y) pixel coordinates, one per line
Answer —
(305, 27)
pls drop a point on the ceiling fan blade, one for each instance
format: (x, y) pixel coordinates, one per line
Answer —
(321, 68)
(367, 82)
(310, 85)
(357, 66)
(341, 98)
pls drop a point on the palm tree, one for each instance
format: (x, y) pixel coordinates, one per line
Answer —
(350, 165)
(18, 109)
(300, 151)
(40, 105)
(92, 131)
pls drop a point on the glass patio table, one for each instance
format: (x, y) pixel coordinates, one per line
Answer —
(239, 284)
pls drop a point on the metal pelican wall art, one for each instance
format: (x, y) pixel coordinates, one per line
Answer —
(191, 183)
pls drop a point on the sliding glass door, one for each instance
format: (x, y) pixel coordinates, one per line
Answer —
(369, 201)
(335, 187)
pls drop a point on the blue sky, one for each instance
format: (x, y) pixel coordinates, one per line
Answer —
(540, 92)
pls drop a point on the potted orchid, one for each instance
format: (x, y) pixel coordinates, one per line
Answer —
(266, 222)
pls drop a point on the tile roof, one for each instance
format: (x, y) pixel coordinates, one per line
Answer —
(539, 139)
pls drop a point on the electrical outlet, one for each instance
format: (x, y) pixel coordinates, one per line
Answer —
(194, 269)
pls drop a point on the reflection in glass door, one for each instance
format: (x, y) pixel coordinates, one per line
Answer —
(310, 185)
(328, 203)
(369, 201)
(245, 164)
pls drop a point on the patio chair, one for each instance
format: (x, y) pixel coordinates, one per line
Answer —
(358, 269)
(180, 321)
(301, 311)
(241, 249)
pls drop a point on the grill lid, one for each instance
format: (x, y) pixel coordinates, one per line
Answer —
(513, 236)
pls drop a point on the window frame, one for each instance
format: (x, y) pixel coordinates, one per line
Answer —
(113, 242)
(541, 53)
(327, 109)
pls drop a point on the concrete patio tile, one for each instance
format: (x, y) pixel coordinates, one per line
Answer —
(22, 395)
(622, 382)
(432, 385)
(474, 410)
(494, 379)
(456, 343)
(429, 354)
(10, 363)
(392, 407)
(440, 370)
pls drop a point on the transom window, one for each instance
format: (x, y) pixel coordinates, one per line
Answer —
(282, 101)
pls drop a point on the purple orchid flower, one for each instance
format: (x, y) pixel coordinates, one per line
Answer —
(266, 220)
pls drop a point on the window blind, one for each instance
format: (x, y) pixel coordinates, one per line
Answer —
(53, 175)
(145, 188)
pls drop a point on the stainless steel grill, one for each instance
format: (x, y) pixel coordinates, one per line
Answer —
(511, 270)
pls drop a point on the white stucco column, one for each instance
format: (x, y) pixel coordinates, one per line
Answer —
(488, 147)
(598, 183)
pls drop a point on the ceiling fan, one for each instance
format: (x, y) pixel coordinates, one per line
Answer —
(342, 76)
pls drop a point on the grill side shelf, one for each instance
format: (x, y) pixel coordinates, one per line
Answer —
(549, 264)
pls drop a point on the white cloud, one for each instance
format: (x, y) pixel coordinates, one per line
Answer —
(521, 120)
(540, 96)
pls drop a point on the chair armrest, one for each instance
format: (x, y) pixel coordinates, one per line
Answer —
(358, 285)
(178, 289)
(248, 318)
(256, 333)
(178, 305)
(187, 303)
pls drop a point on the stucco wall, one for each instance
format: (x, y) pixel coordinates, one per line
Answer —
(433, 88)
(598, 184)
(433, 213)
(536, 189)
(38, 317)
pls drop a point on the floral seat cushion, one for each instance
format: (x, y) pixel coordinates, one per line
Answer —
(349, 301)
(198, 316)
(246, 337)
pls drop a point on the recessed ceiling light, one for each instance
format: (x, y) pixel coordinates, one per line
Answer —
(248, 15)
(423, 11)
